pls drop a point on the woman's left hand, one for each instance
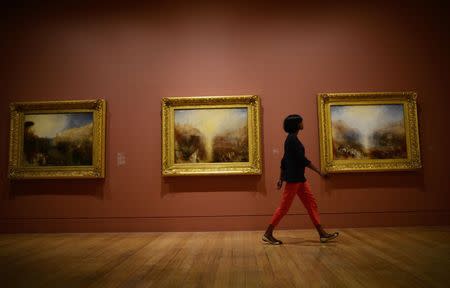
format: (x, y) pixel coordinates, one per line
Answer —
(279, 184)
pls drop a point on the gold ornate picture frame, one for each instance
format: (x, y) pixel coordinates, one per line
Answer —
(212, 135)
(57, 139)
(375, 131)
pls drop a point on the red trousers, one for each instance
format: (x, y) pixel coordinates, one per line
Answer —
(304, 193)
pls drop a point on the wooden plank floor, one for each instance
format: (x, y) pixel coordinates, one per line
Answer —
(363, 257)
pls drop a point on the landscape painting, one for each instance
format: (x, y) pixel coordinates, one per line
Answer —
(211, 135)
(58, 139)
(62, 139)
(368, 131)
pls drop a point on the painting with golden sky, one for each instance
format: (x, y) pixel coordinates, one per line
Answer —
(59, 139)
(368, 131)
(211, 135)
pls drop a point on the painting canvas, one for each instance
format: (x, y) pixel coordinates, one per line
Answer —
(211, 135)
(57, 139)
(60, 139)
(375, 131)
(368, 131)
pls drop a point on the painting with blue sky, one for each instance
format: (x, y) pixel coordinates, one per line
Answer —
(368, 131)
(211, 135)
(58, 139)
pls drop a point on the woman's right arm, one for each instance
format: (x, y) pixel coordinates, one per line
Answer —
(315, 169)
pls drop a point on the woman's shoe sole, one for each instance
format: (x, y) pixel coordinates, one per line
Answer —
(267, 240)
(326, 239)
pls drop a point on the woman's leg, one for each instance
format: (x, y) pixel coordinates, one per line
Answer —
(308, 200)
(290, 189)
(310, 203)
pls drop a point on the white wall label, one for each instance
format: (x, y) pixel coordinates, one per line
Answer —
(121, 159)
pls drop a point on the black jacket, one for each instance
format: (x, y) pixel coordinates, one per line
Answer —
(294, 161)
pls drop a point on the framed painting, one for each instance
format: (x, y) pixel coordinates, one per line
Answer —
(57, 139)
(368, 131)
(214, 135)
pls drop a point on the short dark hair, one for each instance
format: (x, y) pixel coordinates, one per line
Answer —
(290, 124)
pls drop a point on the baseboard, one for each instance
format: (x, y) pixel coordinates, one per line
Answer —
(221, 223)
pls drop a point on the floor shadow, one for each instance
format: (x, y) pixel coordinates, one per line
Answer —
(304, 242)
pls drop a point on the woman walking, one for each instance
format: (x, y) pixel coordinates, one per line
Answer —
(292, 172)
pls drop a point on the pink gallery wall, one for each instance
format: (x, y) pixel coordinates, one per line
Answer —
(133, 55)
